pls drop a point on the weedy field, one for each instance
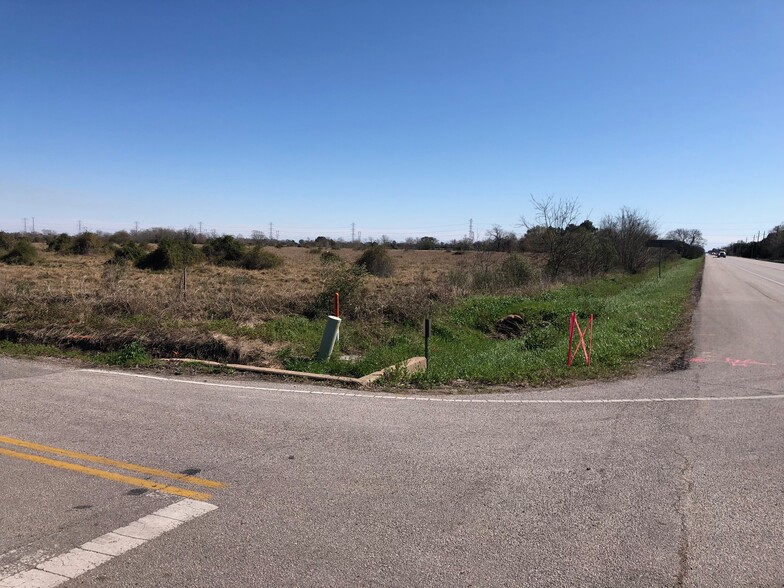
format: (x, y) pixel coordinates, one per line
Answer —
(275, 317)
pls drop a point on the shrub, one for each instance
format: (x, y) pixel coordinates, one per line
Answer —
(86, 243)
(349, 280)
(170, 254)
(376, 261)
(128, 253)
(130, 355)
(7, 242)
(120, 237)
(62, 243)
(224, 250)
(259, 258)
(329, 257)
(691, 251)
(23, 253)
(516, 271)
(488, 275)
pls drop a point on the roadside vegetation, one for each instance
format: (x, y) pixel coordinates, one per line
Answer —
(499, 307)
(769, 246)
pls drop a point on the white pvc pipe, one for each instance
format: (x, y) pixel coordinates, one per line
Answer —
(330, 337)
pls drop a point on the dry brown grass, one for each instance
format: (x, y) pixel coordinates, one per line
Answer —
(83, 293)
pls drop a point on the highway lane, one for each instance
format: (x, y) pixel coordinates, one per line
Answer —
(741, 313)
(676, 482)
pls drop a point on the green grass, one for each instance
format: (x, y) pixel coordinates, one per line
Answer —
(38, 350)
(632, 315)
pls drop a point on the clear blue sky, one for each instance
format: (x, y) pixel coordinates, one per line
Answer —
(406, 118)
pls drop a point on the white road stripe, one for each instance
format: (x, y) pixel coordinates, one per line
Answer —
(113, 544)
(61, 568)
(448, 400)
(760, 276)
(74, 563)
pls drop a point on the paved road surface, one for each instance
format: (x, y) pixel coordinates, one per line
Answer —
(676, 480)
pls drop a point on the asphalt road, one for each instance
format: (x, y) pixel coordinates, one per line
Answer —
(675, 480)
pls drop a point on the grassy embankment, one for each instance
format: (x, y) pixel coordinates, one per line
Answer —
(632, 316)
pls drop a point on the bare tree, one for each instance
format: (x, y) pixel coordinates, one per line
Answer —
(629, 230)
(499, 239)
(688, 236)
(552, 227)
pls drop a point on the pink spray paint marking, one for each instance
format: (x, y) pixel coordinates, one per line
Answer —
(745, 362)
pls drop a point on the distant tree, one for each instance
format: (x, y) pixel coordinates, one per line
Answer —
(552, 233)
(323, 242)
(427, 243)
(774, 242)
(629, 230)
(689, 236)
(120, 237)
(499, 239)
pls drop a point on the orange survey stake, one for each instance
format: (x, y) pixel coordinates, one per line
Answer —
(574, 349)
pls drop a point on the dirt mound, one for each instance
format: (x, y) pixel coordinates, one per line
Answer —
(512, 326)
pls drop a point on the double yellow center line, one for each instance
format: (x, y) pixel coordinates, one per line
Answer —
(108, 475)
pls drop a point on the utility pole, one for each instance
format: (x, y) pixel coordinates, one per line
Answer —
(470, 230)
(359, 236)
(270, 233)
(199, 229)
(353, 226)
(33, 225)
(80, 228)
(25, 225)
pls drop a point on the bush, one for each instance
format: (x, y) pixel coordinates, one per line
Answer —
(128, 253)
(349, 281)
(691, 251)
(329, 257)
(23, 253)
(86, 243)
(376, 261)
(7, 241)
(170, 255)
(488, 275)
(259, 258)
(224, 250)
(62, 243)
(131, 355)
(120, 238)
(516, 271)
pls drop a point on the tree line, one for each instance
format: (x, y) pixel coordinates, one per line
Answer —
(769, 247)
(567, 242)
